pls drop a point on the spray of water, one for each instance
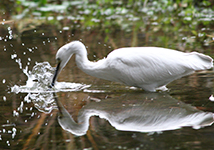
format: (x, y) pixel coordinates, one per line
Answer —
(37, 88)
(40, 78)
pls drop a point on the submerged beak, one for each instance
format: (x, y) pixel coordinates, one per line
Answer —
(55, 75)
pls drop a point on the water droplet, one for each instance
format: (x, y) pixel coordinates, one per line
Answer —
(9, 131)
(13, 56)
(32, 114)
(14, 132)
(20, 108)
(4, 98)
(3, 81)
(29, 49)
(8, 143)
(15, 113)
(19, 63)
(211, 98)
(31, 108)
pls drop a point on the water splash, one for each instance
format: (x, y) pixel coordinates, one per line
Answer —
(40, 78)
(43, 102)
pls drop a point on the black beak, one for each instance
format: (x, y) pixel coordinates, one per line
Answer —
(55, 75)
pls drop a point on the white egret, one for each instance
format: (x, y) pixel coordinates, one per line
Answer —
(149, 68)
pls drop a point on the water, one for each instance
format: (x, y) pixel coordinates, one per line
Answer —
(83, 112)
(39, 81)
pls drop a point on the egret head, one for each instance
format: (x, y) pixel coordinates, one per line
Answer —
(63, 56)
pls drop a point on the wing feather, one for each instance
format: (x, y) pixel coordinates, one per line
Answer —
(148, 66)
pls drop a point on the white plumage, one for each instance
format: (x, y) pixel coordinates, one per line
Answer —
(148, 68)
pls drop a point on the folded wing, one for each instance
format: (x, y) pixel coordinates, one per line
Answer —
(152, 67)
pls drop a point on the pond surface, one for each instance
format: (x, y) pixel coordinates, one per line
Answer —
(92, 113)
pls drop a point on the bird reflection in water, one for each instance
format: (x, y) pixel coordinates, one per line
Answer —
(143, 112)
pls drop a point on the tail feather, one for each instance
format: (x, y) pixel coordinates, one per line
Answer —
(200, 61)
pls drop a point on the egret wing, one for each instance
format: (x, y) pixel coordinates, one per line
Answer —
(150, 66)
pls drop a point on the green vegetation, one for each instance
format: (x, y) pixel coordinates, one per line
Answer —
(176, 23)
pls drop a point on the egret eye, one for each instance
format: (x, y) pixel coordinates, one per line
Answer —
(58, 60)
